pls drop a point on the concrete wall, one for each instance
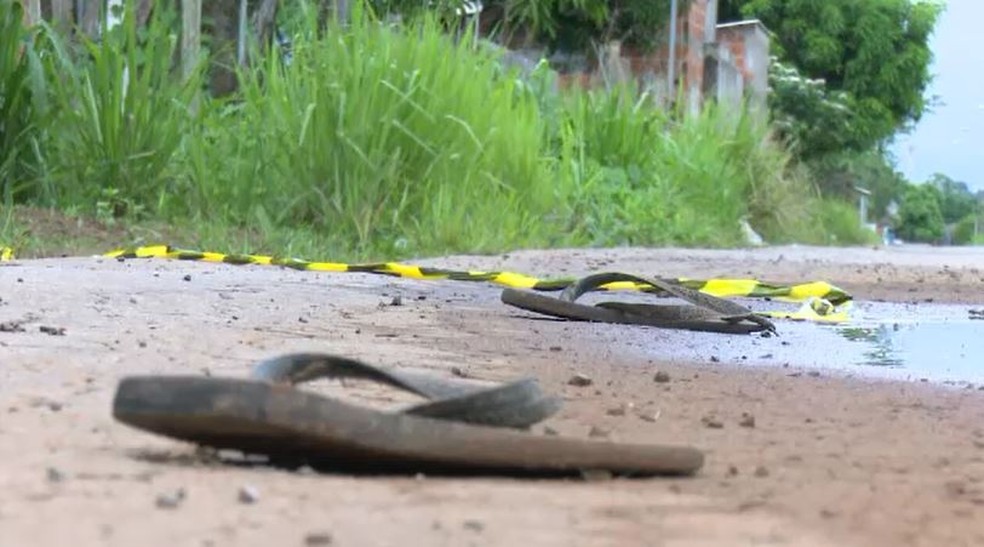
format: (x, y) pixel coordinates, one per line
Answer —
(747, 42)
(724, 62)
(729, 89)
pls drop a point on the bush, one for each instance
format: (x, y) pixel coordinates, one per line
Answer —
(387, 142)
(380, 138)
(920, 217)
(963, 232)
(22, 105)
(841, 225)
(124, 112)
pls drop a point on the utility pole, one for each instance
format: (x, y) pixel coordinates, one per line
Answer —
(343, 12)
(671, 70)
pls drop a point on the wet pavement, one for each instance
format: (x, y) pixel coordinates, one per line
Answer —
(939, 343)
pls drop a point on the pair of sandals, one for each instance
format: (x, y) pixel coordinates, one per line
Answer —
(462, 427)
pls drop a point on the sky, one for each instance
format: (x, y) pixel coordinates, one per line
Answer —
(950, 139)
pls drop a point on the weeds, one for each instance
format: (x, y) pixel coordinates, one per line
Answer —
(382, 142)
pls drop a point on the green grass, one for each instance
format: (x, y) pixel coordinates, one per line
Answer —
(384, 143)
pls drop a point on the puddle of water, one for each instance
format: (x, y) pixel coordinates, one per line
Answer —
(939, 343)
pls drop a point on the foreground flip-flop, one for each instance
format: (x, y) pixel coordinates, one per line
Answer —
(708, 313)
(462, 428)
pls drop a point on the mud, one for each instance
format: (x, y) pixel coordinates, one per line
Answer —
(804, 454)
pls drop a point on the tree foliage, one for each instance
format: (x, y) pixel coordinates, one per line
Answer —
(956, 200)
(841, 173)
(877, 52)
(571, 25)
(920, 217)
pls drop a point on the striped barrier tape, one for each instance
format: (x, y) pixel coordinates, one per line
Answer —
(820, 300)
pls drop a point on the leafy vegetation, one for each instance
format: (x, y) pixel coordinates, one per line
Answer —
(920, 218)
(386, 142)
(847, 77)
(876, 53)
(22, 103)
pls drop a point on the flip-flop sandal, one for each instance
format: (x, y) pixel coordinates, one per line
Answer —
(462, 428)
(708, 313)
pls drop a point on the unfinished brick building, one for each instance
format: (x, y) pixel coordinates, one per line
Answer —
(725, 62)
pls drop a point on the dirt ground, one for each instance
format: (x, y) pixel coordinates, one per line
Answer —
(829, 460)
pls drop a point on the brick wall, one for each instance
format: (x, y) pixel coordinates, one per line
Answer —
(747, 43)
(698, 36)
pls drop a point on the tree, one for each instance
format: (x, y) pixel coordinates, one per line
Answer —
(877, 52)
(571, 25)
(956, 200)
(920, 218)
(841, 173)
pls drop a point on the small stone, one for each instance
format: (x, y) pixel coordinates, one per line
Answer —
(814, 373)
(650, 417)
(396, 301)
(556, 348)
(761, 472)
(318, 538)
(715, 359)
(302, 320)
(11, 326)
(171, 500)
(248, 494)
(732, 471)
(457, 371)
(616, 411)
(547, 430)
(473, 525)
(142, 343)
(580, 380)
(661, 377)
(187, 277)
(747, 420)
(827, 513)
(597, 432)
(711, 422)
(54, 474)
(53, 331)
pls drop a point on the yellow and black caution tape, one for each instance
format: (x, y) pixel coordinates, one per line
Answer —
(821, 301)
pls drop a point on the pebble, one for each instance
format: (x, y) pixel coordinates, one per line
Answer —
(747, 420)
(55, 475)
(580, 380)
(597, 432)
(248, 494)
(318, 538)
(661, 377)
(712, 423)
(616, 411)
(171, 500)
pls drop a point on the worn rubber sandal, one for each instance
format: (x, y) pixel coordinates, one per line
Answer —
(463, 428)
(708, 313)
